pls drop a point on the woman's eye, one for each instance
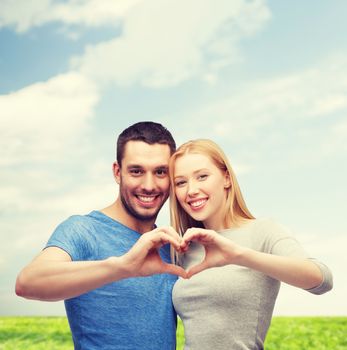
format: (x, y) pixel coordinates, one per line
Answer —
(180, 183)
(202, 177)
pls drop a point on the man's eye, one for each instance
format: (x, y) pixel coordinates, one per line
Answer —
(161, 172)
(135, 171)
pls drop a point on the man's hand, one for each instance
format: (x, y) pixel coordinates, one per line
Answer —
(143, 258)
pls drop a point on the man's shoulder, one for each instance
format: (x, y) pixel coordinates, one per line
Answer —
(97, 223)
(78, 219)
(77, 223)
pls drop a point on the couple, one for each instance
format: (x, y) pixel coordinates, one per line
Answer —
(115, 270)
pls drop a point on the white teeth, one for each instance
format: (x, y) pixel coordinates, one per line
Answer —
(197, 203)
(146, 199)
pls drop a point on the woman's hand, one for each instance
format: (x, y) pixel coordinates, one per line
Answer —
(219, 251)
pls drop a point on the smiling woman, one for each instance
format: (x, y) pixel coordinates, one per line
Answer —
(198, 190)
(235, 262)
(200, 170)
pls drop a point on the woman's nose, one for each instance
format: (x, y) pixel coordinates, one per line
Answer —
(192, 188)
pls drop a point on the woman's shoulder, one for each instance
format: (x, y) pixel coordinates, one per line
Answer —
(265, 229)
(269, 225)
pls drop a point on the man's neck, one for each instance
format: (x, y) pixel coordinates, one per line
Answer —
(117, 212)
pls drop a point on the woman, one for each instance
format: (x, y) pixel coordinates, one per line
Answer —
(229, 307)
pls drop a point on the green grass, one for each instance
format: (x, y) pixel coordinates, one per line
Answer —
(35, 333)
(306, 333)
(286, 333)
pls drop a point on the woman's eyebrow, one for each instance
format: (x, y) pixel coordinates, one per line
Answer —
(194, 172)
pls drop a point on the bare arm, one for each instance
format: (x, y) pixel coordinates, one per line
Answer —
(298, 272)
(53, 276)
(220, 251)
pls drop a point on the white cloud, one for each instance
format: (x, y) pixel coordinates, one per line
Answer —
(23, 15)
(92, 12)
(45, 117)
(335, 138)
(40, 124)
(84, 199)
(40, 217)
(165, 42)
(329, 104)
(162, 42)
(296, 99)
(38, 211)
(38, 193)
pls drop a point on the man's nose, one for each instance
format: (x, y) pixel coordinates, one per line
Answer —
(149, 183)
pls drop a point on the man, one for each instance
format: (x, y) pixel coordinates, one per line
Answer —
(97, 262)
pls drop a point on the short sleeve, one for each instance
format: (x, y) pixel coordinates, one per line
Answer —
(281, 242)
(70, 237)
(278, 240)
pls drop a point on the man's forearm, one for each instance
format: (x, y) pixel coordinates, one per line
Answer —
(51, 280)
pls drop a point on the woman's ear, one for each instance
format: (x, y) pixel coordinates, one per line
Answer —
(116, 172)
(227, 181)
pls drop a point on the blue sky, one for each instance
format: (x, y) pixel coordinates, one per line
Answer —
(267, 80)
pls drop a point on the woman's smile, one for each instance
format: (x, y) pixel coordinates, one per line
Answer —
(197, 204)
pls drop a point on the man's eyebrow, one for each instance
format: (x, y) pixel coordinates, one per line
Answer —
(163, 167)
(137, 166)
(134, 166)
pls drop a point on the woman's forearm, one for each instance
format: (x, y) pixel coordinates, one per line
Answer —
(298, 272)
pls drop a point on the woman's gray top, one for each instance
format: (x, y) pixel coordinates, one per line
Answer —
(230, 307)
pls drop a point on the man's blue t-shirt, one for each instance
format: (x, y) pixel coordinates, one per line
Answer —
(133, 313)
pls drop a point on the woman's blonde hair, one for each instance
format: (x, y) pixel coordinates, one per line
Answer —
(235, 209)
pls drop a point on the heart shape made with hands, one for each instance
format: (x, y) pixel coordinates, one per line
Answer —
(145, 260)
(219, 251)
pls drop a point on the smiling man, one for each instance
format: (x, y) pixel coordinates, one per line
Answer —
(112, 267)
(142, 175)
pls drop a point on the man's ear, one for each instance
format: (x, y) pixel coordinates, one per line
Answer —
(116, 172)
(227, 181)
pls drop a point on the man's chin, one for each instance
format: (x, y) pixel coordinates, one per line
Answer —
(145, 214)
(141, 213)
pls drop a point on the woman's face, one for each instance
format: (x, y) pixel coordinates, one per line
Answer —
(200, 188)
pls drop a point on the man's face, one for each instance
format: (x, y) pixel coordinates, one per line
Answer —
(143, 179)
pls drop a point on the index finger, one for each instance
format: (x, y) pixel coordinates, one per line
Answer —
(161, 238)
(170, 231)
(197, 235)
